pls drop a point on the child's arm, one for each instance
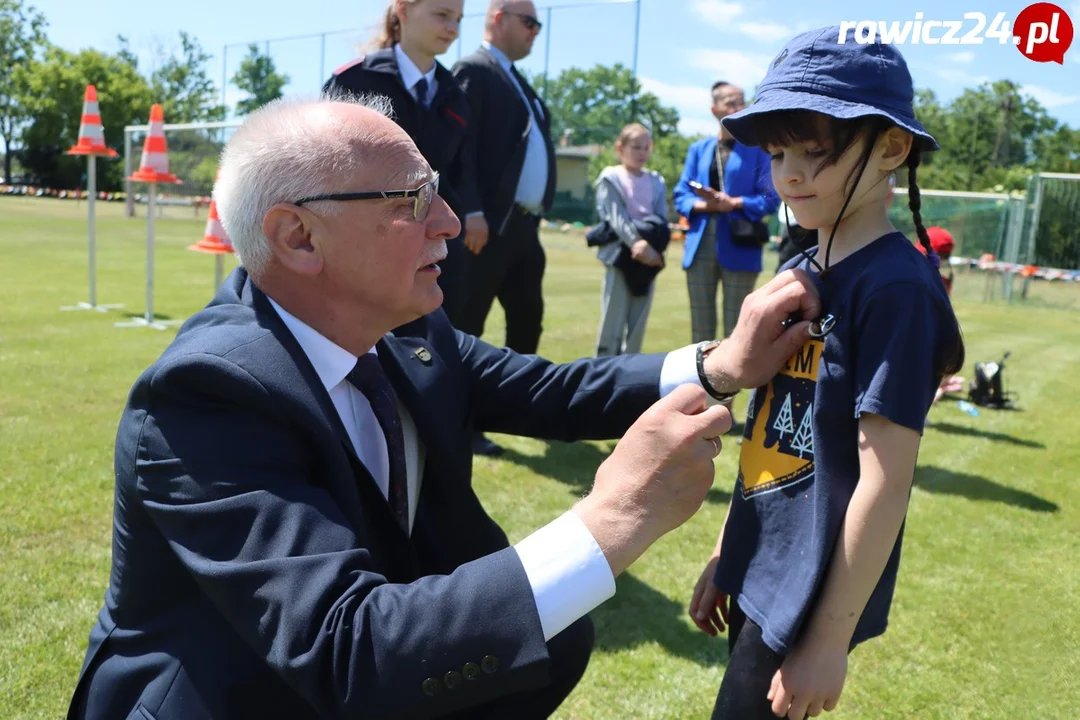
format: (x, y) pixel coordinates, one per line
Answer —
(812, 676)
(708, 606)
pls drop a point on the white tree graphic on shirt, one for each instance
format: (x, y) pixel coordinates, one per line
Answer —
(804, 438)
(783, 423)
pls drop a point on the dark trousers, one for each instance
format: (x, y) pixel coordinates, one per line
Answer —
(569, 652)
(751, 665)
(453, 278)
(510, 268)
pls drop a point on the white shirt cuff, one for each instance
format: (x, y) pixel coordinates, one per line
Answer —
(567, 570)
(679, 368)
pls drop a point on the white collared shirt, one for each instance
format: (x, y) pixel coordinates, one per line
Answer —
(567, 570)
(410, 75)
(534, 172)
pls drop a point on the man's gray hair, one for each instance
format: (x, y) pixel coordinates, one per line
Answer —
(286, 150)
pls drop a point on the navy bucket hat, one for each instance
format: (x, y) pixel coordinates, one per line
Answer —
(844, 80)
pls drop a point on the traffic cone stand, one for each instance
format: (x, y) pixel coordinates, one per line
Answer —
(91, 144)
(215, 242)
(153, 169)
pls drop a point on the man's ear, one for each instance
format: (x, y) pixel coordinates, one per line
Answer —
(894, 146)
(293, 236)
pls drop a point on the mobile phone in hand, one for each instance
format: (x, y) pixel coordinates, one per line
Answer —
(695, 185)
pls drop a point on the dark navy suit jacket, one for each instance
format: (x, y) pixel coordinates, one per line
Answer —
(257, 570)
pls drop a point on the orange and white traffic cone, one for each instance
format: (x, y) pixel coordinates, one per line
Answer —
(91, 133)
(215, 240)
(154, 167)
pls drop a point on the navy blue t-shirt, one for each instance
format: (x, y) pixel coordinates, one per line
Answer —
(799, 463)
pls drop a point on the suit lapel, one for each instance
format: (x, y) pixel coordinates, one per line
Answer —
(317, 401)
(415, 371)
(708, 151)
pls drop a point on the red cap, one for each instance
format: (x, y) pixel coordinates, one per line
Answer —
(940, 240)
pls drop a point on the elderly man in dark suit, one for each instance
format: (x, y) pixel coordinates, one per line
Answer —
(295, 533)
(515, 172)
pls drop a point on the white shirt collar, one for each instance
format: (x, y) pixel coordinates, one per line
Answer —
(499, 55)
(331, 361)
(410, 74)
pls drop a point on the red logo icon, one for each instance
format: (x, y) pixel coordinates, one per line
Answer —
(1043, 32)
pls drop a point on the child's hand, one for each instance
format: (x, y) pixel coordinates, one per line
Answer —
(810, 680)
(645, 254)
(708, 600)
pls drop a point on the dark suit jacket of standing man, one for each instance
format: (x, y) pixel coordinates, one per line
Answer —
(511, 265)
(258, 571)
(444, 133)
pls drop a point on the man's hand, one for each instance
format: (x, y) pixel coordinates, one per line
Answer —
(810, 680)
(760, 344)
(476, 233)
(657, 477)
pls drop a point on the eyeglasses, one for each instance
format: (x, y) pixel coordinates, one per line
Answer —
(422, 196)
(529, 21)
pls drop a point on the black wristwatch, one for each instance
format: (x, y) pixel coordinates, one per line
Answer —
(703, 349)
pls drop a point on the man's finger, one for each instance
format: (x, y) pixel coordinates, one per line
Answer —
(793, 298)
(688, 399)
(791, 340)
(796, 284)
(713, 422)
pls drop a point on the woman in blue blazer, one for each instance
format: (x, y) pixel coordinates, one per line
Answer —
(743, 189)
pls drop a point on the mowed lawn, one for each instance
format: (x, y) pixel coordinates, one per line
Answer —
(985, 621)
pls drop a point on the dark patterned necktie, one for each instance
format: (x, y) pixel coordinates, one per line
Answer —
(421, 91)
(369, 378)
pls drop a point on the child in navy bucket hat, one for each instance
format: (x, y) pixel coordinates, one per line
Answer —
(805, 566)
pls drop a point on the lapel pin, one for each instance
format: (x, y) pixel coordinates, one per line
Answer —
(423, 355)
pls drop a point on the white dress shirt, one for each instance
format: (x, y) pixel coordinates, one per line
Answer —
(534, 172)
(410, 75)
(567, 570)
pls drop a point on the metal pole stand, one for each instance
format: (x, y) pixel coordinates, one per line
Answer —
(91, 191)
(148, 320)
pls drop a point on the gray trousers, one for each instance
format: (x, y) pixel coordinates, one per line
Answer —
(622, 315)
(702, 277)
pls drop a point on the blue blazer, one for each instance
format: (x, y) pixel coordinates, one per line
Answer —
(746, 174)
(257, 570)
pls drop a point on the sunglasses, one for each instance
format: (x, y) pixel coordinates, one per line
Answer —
(528, 21)
(422, 196)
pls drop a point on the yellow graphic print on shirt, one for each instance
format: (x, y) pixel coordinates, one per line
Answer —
(778, 444)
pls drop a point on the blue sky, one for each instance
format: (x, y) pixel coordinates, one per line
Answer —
(685, 45)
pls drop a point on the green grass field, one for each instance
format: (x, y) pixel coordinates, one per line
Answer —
(984, 623)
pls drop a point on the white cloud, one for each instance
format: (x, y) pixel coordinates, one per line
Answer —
(961, 77)
(964, 57)
(692, 98)
(745, 69)
(1048, 98)
(716, 12)
(698, 126)
(692, 102)
(766, 31)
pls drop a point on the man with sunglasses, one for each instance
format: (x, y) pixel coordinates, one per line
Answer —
(295, 532)
(515, 173)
